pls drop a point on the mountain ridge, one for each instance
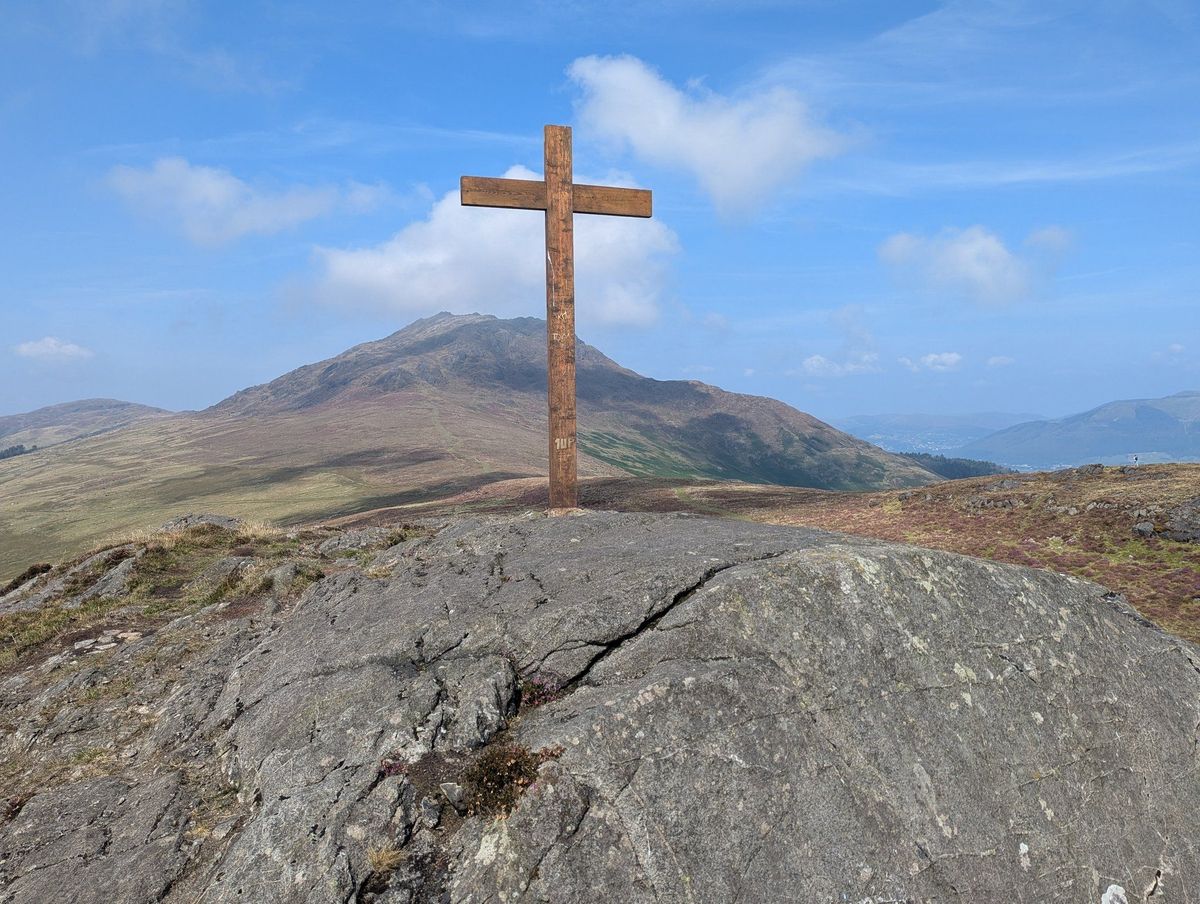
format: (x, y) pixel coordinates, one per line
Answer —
(66, 421)
(1158, 429)
(465, 352)
(443, 406)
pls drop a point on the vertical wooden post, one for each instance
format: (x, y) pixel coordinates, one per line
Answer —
(558, 195)
(560, 316)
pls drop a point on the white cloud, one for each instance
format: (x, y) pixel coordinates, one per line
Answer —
(941, 361)
(212, 206)
(855, 363)
(975, 262)
(52, 349)
(936, 361)
(1171, 354)
(1000, 361)
(463, 259)
(739, 148)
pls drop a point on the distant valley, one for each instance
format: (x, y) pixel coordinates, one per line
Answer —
(939, 434)
(1154, 430)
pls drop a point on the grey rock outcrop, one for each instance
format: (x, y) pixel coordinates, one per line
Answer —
(1183, 522)
(193, 519)
(728, 712)
(353, 540)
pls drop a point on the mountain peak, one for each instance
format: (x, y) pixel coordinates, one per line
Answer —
(442, 321)
(478, 350)
(469, 366)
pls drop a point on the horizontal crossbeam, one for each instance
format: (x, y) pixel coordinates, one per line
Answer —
(524, 194)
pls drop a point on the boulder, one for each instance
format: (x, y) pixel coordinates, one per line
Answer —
(740, 713)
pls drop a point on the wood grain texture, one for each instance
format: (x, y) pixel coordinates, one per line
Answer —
(521, 194)
(560, 317)
(525, 194)
(615, 202)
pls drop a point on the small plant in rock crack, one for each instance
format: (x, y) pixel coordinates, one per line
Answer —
(391, 765)
(502, 773)
(542, 688)
(384, 858)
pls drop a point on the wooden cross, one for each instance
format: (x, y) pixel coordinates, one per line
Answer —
(561, 199)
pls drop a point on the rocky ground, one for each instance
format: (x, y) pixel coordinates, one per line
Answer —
(1135, 530)
(606, 707)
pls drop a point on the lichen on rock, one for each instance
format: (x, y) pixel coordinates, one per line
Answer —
(725, 712)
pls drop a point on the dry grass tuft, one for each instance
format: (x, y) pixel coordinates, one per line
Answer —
(384, 858)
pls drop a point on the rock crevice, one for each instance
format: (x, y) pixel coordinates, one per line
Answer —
(721, 711)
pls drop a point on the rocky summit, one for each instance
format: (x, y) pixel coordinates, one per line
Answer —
(605, 707)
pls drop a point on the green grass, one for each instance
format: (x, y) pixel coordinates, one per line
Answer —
(631, 455)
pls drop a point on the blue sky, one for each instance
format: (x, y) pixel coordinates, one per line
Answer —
(859, 207)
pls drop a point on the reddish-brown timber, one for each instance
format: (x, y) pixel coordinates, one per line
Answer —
(561, 199)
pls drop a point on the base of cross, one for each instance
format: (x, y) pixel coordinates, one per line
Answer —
(564, 512)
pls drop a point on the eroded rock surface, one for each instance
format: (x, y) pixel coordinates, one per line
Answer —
(714, 711)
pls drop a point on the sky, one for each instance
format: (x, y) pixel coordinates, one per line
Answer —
(859, 207)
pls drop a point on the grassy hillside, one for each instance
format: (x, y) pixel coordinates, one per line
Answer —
(286, 468)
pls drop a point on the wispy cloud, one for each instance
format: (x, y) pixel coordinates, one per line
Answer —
(935, 361)
(976, 51)
(857, 355)
(986, 62)
(52, 348)
(467, 259)
(212, 206)
(855, 363)
(161, 28)
(898, 178)
(1000, 361)
(974, 262)
(739, 147)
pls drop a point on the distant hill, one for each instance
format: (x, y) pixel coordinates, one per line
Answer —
(446, 405)
(928, 432)
(1155, 430)
(60, 423)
